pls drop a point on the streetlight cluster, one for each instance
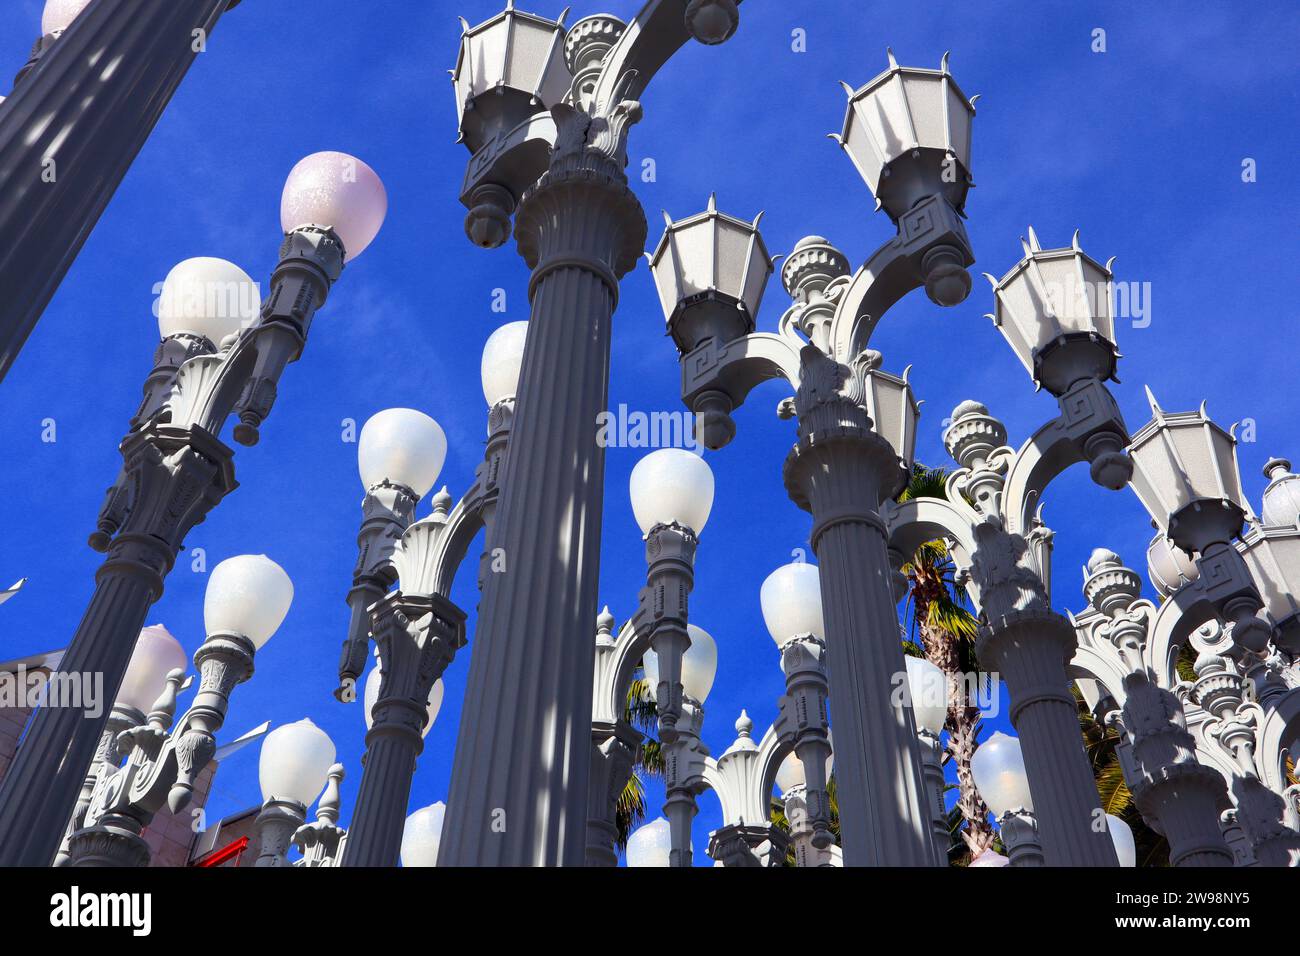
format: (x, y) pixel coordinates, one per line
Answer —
(545, 110)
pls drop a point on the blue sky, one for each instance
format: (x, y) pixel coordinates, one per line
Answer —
(1141, 147)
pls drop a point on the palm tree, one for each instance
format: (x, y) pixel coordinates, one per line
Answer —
(938, 616)
(639, 711)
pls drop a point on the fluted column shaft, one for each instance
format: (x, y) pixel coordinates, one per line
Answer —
(1030, 649)
(519, 786)
(177, 477)
(1176, 794)
(932, 771)
(417, 637)
(836, 472)
(69, 132)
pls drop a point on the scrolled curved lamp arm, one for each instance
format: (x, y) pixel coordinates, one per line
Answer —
(931, 242)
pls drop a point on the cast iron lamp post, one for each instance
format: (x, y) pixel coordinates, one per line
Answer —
(791, 603)
(856, 424)
(999, 770)
(176, 469)
(156, 655)
(792, 783)
(246, 600)
(71, 128)
(293, 769)
(523, 748)
(417, 629)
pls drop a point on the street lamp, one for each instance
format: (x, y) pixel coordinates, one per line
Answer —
(400, 454)
(650, 845)
(672, 495)
(246, 600)
(999, 770)
(710, 270)
(422, 836)
(503, 357)
(1185, 474)
(176, 469)
(927, 692)
(561, 171)
(295, 763)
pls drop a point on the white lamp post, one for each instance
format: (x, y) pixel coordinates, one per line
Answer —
(295, 762)
(999, 770)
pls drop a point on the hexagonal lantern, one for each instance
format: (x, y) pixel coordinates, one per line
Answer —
(1054, 309)
(509, 67)
(893, 408)
(1185, 474)
(1272, 555)
(710, 270)
(908, 132)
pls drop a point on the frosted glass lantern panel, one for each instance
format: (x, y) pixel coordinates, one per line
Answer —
(156, 655)
(671, 485)
(249, 595)
(791, 601)
(403, 446)
(295, 762)
(339, 191)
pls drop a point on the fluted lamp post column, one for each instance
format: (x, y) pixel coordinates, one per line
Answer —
(792, 782)
(71, 128)
(791, 602)
(157, 653)
(999, 770)
(246, 600)
(684, 756)
(519, 787)
(293, 769)
(176, 469)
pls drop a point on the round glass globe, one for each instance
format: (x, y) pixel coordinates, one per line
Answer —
(402, 446)
(699, 665)
(339, 191)
(791, 773)
(295, 762)
(999, 770)
(990, 857)
(669, 485)
(650, 845)
(928, 688)
(1121, 834)
(156, 655)
(248, 594)
(371, 697)
(209, 297)
(503, 357)
(59, 14)
(422, 836)
(791, 599)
